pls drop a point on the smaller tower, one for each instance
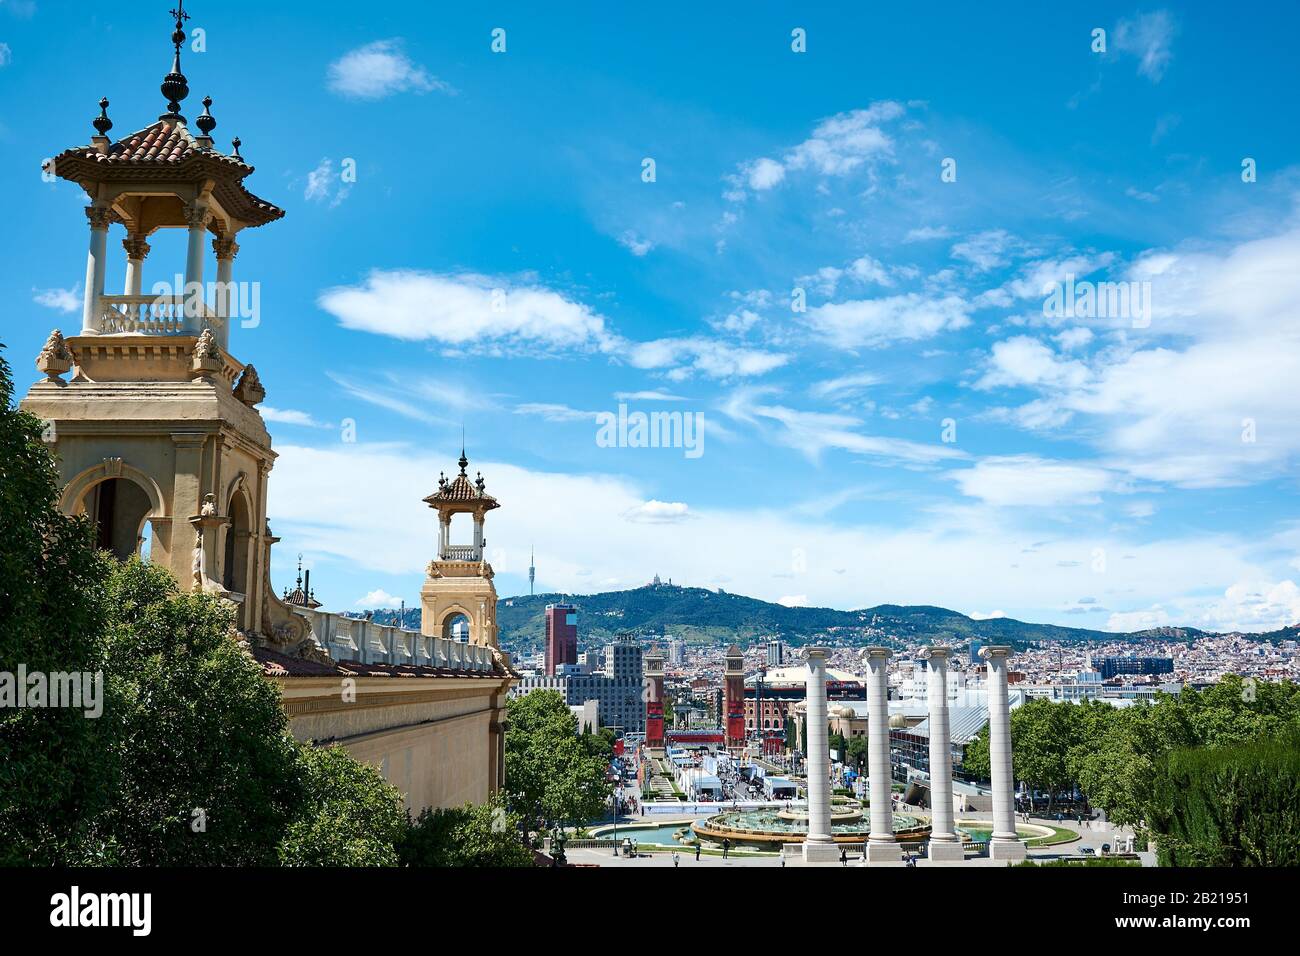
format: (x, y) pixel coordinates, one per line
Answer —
(459, 585)
(735, 697)
(532, 571)
(654, 705)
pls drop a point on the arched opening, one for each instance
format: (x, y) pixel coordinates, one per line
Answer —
(118, 507)
(455, 627)
(234, 576)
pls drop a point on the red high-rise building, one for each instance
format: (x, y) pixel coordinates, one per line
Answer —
(734, 697)
(561, 636)
(654, 705)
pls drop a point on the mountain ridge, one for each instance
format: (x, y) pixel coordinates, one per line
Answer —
(701, 616)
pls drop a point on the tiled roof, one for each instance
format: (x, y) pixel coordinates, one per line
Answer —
(164, 146)
(461, 490)
(275, 664)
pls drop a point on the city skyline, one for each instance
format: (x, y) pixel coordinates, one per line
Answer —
(1101, 474)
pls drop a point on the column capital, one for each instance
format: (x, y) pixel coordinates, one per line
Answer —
(877, 653)
(995, 652)
(197, 215)
(99, 216)
(225, 248)
(935, 652)
(136, 246)
(818, 653)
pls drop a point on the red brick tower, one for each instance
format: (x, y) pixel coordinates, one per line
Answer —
(654, 705)
(734, 703)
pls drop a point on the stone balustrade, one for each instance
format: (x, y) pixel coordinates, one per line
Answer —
(151, 315)
(349, 638)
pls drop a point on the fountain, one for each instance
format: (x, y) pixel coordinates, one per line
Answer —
(770, 827)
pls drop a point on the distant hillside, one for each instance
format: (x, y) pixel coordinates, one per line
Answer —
(698, 615)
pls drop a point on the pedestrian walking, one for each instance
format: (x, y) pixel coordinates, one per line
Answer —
(726, 848)
(697, 853)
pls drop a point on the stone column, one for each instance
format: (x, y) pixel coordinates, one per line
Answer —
(226, 249)
(197, 216)
(99, 219)
(944, 844)
(1004, 843)
(818, 846)
(881, 845)
(137, 249)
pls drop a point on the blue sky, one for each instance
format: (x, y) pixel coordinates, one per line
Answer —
(1108, 471)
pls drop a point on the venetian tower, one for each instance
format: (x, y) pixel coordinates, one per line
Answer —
(459, 585)
(156, 432)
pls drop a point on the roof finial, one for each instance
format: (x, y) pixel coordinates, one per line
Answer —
(174, 85)
(300, 570)
(206, 122)
(237, 142)
(464, 462)
(101, 122)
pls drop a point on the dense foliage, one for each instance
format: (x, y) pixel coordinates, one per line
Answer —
(1235, 805)
(484, 835)
(553, 774)
(1171, 765)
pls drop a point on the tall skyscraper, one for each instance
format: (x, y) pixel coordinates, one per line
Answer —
(561, 636)
(734, 686)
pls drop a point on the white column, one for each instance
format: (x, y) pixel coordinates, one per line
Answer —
(881, 845)
(95, 261)
(1004, 843)
(944, 845)
(196, 217)
(226, 249)
(444, 535)
(818, 846)
(136, 250)
(478, 536)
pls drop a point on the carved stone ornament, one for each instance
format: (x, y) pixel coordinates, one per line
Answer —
(249, 388)
(207, 356)
(99, 216)
(55, 359)
(209, 507)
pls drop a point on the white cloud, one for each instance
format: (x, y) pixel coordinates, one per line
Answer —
(6, 55)
(325, 185)
(64, 300)
(838, 145)
(1023, 361)
(1030, 481)
(1149, 37)
(465, 309)
(647, 396)
(986, 250)
(927, 233)
(871, 323)
(378, 599)
(708, 357)
(813, 433)
(793, 600)
(290, 416)
(845, 386)
(552, 412)
(635, 244)
(380, 69)
(658, 512)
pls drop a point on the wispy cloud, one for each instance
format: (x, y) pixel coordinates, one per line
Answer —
(380, 69)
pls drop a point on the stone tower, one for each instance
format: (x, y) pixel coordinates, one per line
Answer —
(157, 433)
(459, 585)
(734, 678)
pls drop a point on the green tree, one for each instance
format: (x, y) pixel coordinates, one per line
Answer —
(57, 768)
(857, 750)
(486, 835)
(1232, 805)
(348, 814)
(551, 775)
